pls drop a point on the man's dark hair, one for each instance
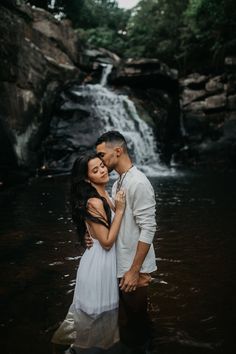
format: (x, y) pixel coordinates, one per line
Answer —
(113, 137)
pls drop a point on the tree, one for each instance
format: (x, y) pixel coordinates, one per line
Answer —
(210, 27)
(187, 34)
(154, 28)
(101, 22)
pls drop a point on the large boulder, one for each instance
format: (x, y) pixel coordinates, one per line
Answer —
(145, 73)
(216, 102)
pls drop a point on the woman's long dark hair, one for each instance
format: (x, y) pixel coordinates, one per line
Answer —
(80, 192)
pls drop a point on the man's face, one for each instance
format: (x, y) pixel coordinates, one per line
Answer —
(107, 154)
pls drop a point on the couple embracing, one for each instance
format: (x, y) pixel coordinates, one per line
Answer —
(114, 271)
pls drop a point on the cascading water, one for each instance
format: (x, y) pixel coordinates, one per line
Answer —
(117, 112)
(89, 110)
(106, 72)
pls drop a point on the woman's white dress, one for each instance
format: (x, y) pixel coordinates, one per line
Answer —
(96, 289)
(92, 317)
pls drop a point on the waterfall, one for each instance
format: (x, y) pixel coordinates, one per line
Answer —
(52, 4)
(22, 140)
(106, 71)
(87, 111)
(118, 112)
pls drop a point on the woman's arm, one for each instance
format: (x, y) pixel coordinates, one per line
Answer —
(106, 236)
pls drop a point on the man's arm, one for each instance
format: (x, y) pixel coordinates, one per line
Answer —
(144, 207)
(130, 279)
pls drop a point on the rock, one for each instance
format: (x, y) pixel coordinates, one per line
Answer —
(164, 109)
(230, 86)
(195, 106)
(216, 118)
(93, 60)
(100, 55)
(38, 55)
(145, 73)
(231, 115)
(231, 102)
(210, 123)
(189, 96)
(215, 85)
(217, 102)
(230, 62)
(195, 124)
(73, 128)
(230, 129)
(8, 158)
(59, 32)
(194, 81)
(22, 109)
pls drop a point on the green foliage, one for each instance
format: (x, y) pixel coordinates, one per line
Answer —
(187, 34)
(89, 14)
(104, 37)
(209, 31)
(102, 22)
(153, 29)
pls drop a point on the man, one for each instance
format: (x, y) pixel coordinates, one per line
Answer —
(134, 248)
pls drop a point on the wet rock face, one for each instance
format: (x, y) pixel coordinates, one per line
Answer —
(38, 55)
(73, 129)
(162, 106)
(145, 73)
(209, 117)
(83, 113)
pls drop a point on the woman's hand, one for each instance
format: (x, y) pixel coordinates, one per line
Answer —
(120, 201)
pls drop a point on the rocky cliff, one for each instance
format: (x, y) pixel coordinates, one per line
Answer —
(209, 118)
(39, 54)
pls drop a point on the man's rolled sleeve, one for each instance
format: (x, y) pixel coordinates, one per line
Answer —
(144, 210)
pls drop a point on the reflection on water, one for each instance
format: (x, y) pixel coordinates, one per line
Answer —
(192, 298)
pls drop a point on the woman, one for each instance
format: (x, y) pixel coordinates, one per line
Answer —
(93, 312)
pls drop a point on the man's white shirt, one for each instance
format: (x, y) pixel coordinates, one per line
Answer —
(138, 223)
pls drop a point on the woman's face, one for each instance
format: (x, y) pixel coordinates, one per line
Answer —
(97, 171)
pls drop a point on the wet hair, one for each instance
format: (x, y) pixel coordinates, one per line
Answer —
(113, 137)
(80, 191)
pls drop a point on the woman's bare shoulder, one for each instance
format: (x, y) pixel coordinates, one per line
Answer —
(95, 203)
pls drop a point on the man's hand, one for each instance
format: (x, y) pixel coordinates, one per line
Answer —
(129, 281)
(88, 240)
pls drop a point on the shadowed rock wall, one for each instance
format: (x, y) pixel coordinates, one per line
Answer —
(209, 117)
(38, 55)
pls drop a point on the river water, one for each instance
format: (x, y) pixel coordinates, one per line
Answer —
(192, 302)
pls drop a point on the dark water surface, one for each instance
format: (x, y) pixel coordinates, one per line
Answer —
(193, 299)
